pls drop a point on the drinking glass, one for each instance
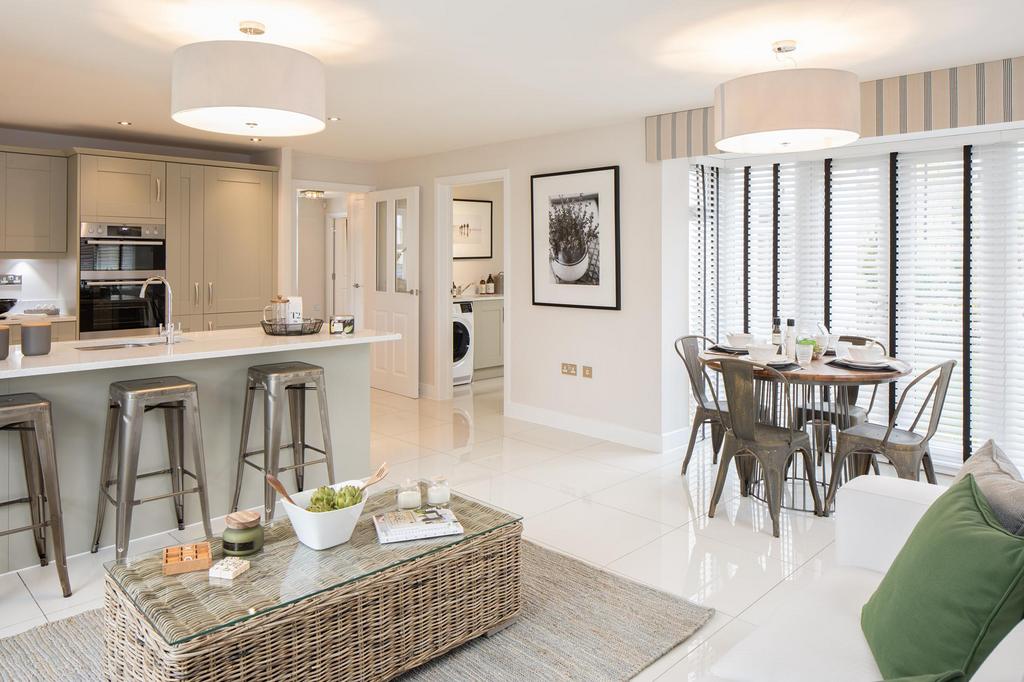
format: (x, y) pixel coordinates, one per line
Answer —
(804, 353)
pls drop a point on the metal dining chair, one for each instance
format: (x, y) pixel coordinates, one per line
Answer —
(773, 447)
(906, 449)
(709, 410)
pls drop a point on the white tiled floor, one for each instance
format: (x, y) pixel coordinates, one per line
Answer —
(617, 507)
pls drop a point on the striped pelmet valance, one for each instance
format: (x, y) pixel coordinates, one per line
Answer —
(990, 92)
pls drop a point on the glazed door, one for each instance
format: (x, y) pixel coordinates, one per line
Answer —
(390, 286)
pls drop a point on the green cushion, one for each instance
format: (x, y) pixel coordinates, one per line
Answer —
(952, 593)
(951, 676)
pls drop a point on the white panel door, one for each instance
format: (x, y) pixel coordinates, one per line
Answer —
(390, 285)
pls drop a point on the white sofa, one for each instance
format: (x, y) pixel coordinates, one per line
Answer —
(817, 636)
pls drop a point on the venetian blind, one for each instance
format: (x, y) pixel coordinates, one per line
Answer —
(703, 252)
(801, 276)
(759, 251)
(997, 297)
(730, 251)
(929, 284)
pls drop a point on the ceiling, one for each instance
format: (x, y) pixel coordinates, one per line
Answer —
(412, 77)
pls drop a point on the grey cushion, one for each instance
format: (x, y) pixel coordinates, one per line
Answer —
(1000, 483)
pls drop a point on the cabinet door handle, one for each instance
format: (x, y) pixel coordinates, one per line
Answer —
(209, 325)
(158, 192)
(195, 296)
(209, 293)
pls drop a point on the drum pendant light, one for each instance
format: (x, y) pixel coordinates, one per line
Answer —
(789, 110)
(247, 88)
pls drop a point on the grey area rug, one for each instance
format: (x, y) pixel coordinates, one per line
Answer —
(578, 623)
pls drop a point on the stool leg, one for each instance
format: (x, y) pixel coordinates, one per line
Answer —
(273, 408)
(48, 463)
(243, 445)
(297, 412)
(129, 440)
(176, 458)
(191, 404)
(106, 473)
(325, 426)
(34, 483)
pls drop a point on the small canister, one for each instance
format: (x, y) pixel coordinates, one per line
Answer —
(343, 324)
(35, 338)
(5, 341)
(243, 535)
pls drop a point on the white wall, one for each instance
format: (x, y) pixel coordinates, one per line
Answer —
(626, 348)
(43, 281)
(466, 271)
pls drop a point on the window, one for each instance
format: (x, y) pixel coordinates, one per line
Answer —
(759, 250)
(997, 297)
(929, 284)
(703, 259)
(801, 276)
(730, 251)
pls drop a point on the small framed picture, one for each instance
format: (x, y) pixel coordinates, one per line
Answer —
(472, 228)
(576, 238)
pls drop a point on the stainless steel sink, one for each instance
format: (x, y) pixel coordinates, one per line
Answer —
(130, 344)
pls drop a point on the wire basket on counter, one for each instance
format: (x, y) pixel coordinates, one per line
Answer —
(283, 328)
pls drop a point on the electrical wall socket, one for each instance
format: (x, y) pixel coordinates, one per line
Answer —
(569, 369)
(588, 372)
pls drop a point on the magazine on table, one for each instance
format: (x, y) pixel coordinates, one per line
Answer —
(416, 524)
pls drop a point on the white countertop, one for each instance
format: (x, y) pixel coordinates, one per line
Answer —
(68, 356)
(477, 297)
(17, 318)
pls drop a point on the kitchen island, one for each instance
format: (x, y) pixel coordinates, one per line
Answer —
(75, 377)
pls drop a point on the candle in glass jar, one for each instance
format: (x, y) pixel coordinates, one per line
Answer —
(409, 495)
(439, 493)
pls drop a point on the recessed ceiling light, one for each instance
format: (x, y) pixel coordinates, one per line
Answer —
(124, 123)
(252, 28)
(333, 118)
(255, 139)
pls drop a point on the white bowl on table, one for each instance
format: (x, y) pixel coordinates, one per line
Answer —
(739, 340)
(323, 530)
(763, 352)
(866, 353)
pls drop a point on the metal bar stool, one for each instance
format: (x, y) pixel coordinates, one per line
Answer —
(281, 381)
(30, 416)
(129, 401)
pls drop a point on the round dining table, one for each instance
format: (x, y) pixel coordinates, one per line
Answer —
(822, 394)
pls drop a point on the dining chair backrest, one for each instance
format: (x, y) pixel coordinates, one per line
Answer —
(936, 397)
(853, 391)
(689, 349)
(741, 393)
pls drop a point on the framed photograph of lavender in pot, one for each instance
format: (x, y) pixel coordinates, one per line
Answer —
(575, 217)
(472, 229)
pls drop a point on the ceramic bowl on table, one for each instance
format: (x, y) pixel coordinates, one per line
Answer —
(323, 530)
(763, 352)
(867, 353)
(739, 340)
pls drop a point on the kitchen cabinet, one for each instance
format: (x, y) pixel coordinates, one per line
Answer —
(238, 239)
(219, 244)
(488, 334)
(113, 188)
(33, 203)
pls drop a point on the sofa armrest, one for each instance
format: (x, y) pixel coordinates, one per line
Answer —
(874, 517)
(1006, 662)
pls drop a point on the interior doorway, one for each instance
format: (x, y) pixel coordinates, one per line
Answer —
(473, 321)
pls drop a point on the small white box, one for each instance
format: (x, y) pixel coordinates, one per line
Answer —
(229, 568)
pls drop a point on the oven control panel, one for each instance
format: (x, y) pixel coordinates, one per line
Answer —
(123, 231)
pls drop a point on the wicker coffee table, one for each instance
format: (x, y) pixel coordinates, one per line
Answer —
(359, 611)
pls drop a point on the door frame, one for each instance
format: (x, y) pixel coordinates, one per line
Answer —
(443, 390)
(297, 185)
(330, 251)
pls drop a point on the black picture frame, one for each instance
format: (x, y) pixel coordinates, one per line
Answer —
(614, 170)
(490, 239)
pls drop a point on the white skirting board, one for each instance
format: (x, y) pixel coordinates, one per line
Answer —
(655, 442)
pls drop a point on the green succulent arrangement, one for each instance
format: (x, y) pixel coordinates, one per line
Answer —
(326, 499)
(570, 229)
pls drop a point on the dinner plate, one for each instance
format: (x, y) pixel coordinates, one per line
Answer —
(734, 349)
(866, 364)
(781, 362)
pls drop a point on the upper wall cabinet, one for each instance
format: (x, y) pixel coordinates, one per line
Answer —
(113, 188)
(33, 203)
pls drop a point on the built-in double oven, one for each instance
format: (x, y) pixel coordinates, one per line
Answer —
(115, 260)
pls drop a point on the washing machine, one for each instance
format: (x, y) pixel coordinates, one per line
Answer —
(462, 343)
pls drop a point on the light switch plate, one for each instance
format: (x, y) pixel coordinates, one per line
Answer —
(588, 372)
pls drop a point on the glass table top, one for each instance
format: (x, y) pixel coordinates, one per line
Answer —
(182, 607)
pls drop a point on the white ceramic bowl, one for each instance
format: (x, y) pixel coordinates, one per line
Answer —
(322, 530)
(868, 353)
(763, 352)
(739, 340)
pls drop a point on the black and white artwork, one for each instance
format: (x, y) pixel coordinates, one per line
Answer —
(576, 238)
(472, 229)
